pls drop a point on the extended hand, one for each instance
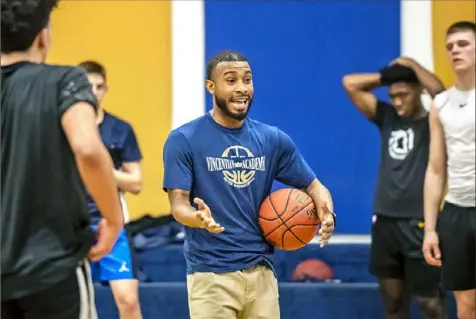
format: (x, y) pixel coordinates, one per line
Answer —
(205, 219)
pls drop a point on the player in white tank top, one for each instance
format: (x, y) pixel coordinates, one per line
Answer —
(456, 115)
(452, 158)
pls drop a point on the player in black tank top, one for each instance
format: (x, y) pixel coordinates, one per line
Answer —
(397, 230)
(47, 126)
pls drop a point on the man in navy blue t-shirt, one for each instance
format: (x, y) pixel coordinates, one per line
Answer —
(117, 268)
(226, 164)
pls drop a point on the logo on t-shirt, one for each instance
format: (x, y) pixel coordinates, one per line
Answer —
(238, 165)
(401, 143)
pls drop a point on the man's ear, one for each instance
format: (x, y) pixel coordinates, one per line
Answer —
(210, 85)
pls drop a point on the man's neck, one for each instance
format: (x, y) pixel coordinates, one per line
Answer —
(15, 57)
(419, 113)
(465, 81)
(224, 120)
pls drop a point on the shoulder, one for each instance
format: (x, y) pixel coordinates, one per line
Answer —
(273, 135)
(181, 138)
(118, 122)
(69, 80)
(263, 129)
(66, 69)
(441, 99)
(62, 72)
(385, 106)
(48, 73)
(190, 129)
(385, 114)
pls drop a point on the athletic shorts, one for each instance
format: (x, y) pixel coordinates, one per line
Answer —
(119, 264)
(396, 252)
(72, 298)
(457, 233)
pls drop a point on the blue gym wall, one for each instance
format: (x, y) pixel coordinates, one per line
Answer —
(299, 52)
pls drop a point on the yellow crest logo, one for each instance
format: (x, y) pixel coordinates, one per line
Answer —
(238, 165)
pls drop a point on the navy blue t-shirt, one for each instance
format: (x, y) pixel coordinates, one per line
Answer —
(232, 170)
(121, 142)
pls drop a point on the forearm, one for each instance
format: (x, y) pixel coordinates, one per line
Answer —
(362, 81)
(185, 214)
(320, 195)
(128, 182)
(428, 79)
(433, 195)
(95, 171)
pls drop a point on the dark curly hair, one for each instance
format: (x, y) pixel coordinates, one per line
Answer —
(21, 21)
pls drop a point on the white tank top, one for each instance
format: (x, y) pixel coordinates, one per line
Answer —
(457, 115)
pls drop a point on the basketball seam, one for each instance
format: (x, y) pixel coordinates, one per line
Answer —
(285, 207)
(290, 230)
(279, 216)
(283, 222)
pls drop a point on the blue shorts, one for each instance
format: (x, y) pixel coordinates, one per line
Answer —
(118, 264)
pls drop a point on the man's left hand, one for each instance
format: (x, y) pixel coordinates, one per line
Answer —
(327, 224)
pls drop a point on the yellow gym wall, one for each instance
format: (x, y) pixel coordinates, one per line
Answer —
(133, 41)
(445, 13)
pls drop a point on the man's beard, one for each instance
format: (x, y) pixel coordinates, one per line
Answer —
(221, 103)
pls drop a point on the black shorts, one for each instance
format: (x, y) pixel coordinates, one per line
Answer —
(396, 252)
(73, 298)
(457, 232)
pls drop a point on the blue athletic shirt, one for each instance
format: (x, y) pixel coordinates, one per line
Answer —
(232, 170)
(121, 142)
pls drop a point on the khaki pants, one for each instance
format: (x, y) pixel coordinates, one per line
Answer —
(248, 294)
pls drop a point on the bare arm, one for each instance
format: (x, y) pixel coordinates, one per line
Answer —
(93, 160)
(181, 208)
(358, 87)
(436, 171)
(320, 195)
(129, 178)
(325, 209)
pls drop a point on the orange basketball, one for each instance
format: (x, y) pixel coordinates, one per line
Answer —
(312, 269)
(288, 219)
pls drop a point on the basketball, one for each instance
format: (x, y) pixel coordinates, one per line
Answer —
(312, 270)
(288, 219)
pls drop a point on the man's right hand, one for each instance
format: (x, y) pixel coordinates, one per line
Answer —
(205, 219)
(107, 237)
(431, 248)
(405, 61)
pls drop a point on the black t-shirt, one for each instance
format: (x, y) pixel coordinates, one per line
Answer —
(45, 228)
(403, 161)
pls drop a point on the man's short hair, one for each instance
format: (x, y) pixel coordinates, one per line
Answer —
(461, 26)
(223, 56)
(93, 67)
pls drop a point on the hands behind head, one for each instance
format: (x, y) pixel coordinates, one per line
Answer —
(405, 61)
